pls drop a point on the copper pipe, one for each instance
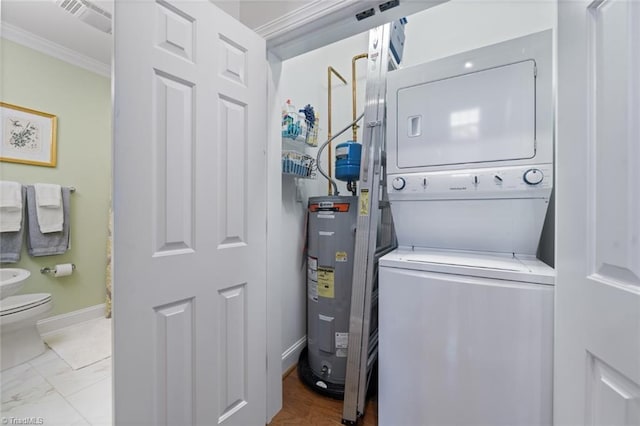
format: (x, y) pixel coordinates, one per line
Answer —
(331, 70)
(354, 88)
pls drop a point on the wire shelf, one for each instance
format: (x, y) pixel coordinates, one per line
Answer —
(296, 127)
(298, 165)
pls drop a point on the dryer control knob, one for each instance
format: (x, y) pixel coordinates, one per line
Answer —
(533, 176)
(398, 183)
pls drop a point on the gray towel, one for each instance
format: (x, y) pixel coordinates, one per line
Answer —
(52, 243)
(11, 242)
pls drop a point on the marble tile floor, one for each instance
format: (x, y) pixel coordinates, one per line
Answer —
(82, 344)
(47, 388)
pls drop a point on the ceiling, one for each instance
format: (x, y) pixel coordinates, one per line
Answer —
(45, 19)
(254, 13)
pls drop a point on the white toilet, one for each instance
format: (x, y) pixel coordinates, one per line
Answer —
(20, 340)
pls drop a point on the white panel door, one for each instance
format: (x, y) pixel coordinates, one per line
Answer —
(597, 349)
(190, 216)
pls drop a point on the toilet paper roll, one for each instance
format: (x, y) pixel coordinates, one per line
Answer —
(63, 270)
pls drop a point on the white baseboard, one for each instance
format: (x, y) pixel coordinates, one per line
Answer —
(291, 355)
(58, 322)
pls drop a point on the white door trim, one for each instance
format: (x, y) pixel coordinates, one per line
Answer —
(274, 215)
(306, 14)
(323, 22)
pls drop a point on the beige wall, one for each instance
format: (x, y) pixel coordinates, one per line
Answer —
(82, 102)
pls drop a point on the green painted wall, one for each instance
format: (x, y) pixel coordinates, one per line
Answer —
(82, 101)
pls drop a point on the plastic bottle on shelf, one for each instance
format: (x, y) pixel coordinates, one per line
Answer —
(289, 112)
(290, 121)
(291, 108)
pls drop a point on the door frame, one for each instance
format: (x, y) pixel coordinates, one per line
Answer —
(322, 22)
(312, 26)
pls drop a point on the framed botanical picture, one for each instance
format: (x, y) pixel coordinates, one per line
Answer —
(28, 136)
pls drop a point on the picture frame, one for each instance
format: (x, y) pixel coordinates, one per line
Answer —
(28, 136)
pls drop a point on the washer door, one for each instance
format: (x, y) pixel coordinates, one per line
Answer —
(463, 350)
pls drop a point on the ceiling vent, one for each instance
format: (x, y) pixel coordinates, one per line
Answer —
(88, 13)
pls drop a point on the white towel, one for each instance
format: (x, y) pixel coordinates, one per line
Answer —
(49, 208)
(48, 194)
(10, 206)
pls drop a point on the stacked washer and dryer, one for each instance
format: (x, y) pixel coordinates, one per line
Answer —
(466, 308)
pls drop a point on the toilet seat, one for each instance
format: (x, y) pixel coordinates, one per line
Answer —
(23, 302)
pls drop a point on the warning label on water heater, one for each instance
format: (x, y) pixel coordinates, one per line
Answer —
(312, 290)
(342, 343)
(312, 263)
(326, 283)
(342, 340)
(364, 202)
(312, 278)
(312, 274)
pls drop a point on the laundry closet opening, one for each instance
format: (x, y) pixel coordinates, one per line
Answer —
(439, 32)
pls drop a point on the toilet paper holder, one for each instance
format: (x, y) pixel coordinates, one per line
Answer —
(49, 270)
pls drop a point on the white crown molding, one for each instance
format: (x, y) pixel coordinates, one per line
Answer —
(322, 22)
(27, 39)
(301, 17)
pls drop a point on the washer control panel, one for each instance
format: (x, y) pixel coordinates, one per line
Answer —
(500, 182)
(398, 183)
(533, 176)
